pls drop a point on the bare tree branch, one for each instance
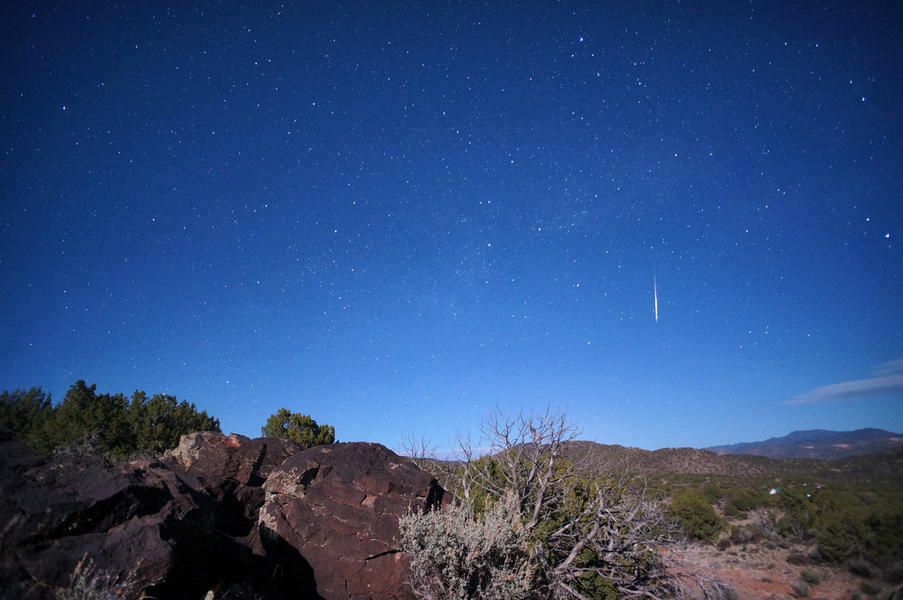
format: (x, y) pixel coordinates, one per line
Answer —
(603, 529)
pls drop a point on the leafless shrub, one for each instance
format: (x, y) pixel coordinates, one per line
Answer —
(705, 587)
(86, 445)
(88, 582)
(799, 589)
(573, 535)
(423, 454)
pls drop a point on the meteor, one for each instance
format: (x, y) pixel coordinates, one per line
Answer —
(654, 296)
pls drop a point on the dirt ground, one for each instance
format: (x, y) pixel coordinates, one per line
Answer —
(757, 573)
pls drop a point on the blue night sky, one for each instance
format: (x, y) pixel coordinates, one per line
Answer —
(398, 217)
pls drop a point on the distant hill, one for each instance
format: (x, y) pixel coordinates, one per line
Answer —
(818, 443)
(593, 458)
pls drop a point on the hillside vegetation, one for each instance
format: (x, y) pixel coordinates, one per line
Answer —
(849, 511)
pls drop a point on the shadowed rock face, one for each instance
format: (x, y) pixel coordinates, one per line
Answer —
(338, 506)
(244, 518)
(130, 519)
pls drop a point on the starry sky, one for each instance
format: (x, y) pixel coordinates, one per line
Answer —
(397, 217)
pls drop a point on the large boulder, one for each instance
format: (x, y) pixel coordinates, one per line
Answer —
(338, 506)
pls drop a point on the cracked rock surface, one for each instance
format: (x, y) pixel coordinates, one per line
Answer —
(338, 506)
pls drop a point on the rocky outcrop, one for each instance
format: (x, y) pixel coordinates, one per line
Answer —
(215, 456)
(244, 518)
(134, 521)
(231, 470)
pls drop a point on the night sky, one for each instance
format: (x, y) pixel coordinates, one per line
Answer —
(399, 217)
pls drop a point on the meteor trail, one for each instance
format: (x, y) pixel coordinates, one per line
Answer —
(655, 296)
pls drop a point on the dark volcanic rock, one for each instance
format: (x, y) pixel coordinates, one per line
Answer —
(231, 470)
(338, 506)
(215, 456)
(69, 507)
(244, 518)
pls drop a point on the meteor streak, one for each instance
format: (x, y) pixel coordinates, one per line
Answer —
(654, 296)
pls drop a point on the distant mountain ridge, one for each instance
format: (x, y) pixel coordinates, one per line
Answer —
(592, 458)
(818, 443)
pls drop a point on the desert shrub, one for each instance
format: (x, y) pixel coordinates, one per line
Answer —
(695, 515)
(862, 567)
(810, 576)
(88, 582)
(798, 514)
(894, 572)
(298, 428)
(765, 520)
(712, 492)
(847, 526)
(593, 585)
(745, 534)
(870, 588)
(87, 445)
(711, 589)
(799, 588)
(890, 593)
(457, 555)
(565, 536)
(740, 501)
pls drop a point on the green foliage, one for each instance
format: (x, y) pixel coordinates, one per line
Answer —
(85, 414)
(593, 585)
(693, 511)
(798, 514)
(739, 501)
(713, 493)
(810, 576)
(298, 428)
(745, 534)
(849, 522)
(24, 412)
(480, 497)
(851, 525)
(158, 423)
(851, 511)
(108, 423)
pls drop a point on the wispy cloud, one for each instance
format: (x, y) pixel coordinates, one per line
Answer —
(891, 367)
(888, 379)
